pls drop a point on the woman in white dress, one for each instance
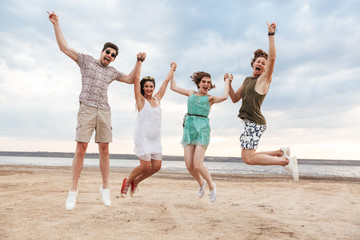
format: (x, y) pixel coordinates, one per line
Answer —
(147, 135)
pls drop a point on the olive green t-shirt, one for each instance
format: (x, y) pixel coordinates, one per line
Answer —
(251, 102)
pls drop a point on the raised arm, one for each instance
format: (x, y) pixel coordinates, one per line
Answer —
(129, 79)
(235, 97)
(175, 88)
(72, 53)
(270, 63)
(139, 98)
(216, 99)
(159, 95)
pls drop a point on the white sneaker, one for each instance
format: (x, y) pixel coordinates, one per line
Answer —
(213, 193)
(292, 167)
(202, 189)
(105, 196)
(286, 151)
(71, 200)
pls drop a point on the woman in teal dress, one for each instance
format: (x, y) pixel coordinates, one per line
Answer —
(196, 128)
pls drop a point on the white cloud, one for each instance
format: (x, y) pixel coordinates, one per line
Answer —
(312, 103)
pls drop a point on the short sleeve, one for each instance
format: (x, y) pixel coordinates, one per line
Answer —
(81, 59)
(118, 75)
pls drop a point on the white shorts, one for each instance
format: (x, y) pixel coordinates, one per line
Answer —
(149, 157)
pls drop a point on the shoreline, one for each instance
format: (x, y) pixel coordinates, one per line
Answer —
(172, 174)
(170, 158)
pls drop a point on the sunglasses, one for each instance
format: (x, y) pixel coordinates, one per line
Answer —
(149, 78)
(113, 54)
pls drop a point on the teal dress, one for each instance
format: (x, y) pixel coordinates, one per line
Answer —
(196, 122)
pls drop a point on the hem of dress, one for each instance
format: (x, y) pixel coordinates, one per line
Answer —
(204, 146)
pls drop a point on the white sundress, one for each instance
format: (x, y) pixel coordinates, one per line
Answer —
(147, 135)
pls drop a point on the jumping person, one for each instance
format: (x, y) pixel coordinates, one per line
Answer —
(147, 136)
(252, 92)
(196, 128)
(94, 110)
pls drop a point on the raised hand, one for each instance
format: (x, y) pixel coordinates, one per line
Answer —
(173, 65)
(53, 17)
(271, 27)
(141, 56)
(138, 56)
(228, 76)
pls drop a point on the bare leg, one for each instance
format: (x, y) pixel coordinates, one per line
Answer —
(249, 156)
(155, 167)
(277, 153)
(104, 163)
(78, 163)
(189, 152)
(137, 171)
(199, 165)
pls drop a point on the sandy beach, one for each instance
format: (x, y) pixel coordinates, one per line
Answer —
(167, 207)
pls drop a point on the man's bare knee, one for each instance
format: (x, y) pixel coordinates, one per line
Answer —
(81, 149)
(104, 148)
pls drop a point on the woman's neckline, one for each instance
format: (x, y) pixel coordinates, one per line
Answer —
(149, 102)
(200, 95)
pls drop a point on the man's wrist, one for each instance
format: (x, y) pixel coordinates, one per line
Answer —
(271, 33)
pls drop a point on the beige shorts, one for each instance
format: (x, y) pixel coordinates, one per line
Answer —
(90, 119)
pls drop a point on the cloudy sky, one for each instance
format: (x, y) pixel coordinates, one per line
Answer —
(313, 104)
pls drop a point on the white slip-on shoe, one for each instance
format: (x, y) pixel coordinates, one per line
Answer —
(293, 168)
(286, 151)
(71, 200)
(105, 196)
(202, 189)
(213, 193)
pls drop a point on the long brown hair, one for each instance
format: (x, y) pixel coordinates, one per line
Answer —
(143, 81)
(197, 76)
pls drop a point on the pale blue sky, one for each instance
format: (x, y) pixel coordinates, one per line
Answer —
(312, 106)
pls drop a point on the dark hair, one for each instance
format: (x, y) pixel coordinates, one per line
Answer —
(259, 53)
(143, 81)
(197, 76)
(111, 45)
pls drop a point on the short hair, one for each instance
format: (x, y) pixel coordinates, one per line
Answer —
(143, 81)
(197, 76)
(259, 53)
(111, 45)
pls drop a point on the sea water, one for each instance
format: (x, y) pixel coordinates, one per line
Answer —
(227, 168)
